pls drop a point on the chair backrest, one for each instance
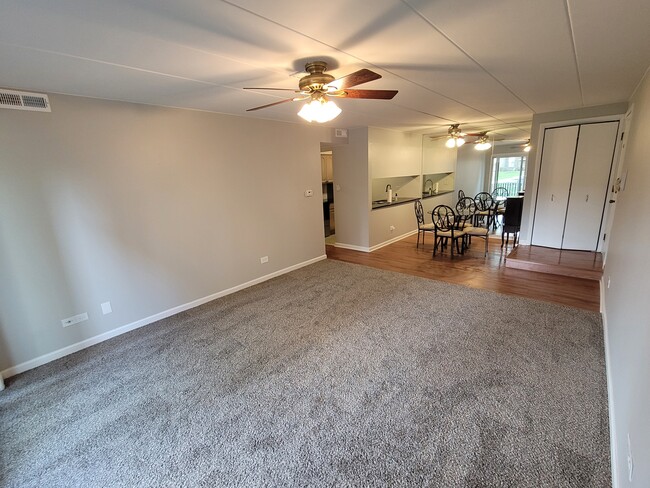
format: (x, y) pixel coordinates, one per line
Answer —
(419, 213)
(484, 201)
(466, 207)
(443, 218)
(500, 191)
(514, 209)
(461, 194)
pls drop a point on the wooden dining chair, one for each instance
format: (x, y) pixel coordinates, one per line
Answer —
(444, 222)
(422, 226)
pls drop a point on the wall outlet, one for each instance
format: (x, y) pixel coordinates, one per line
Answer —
(391, 228)
(264, 259)
(309, 193)
(106, 308)
(74, 320)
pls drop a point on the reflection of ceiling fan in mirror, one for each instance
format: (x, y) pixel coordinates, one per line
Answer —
(318, 87)
(456, 138)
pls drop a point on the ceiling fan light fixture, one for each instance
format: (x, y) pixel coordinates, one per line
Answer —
(319, 110)
(460, 141)
(451, 143)
(482, 143)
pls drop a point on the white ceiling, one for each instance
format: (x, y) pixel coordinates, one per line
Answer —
(486, 65)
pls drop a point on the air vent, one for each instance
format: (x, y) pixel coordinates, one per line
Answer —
(24, 101)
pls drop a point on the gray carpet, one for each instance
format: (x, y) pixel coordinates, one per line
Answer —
(333, 375)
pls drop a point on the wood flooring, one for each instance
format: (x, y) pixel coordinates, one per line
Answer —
(475, 270)
(579, 264)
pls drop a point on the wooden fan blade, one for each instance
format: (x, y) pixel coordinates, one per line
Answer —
(282, 89)
(354, 79)
(270, 104)
(374, 94)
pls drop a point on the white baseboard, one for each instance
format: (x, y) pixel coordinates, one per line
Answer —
(377, 246)
(352, 247)
(613, 451)
(394, 239)
(59, 353)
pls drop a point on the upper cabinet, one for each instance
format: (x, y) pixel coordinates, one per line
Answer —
(392, 153)
(436, 157)
(326, 167)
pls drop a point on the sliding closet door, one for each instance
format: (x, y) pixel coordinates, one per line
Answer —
(558, 153)
(589, 185)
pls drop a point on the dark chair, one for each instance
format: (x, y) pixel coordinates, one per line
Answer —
(444, 219)
(422, 226)
(461, 194)
(512, 219)
(466, 208)
(500, 194)
(484, 209)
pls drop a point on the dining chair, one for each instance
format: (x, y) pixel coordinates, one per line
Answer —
(500, 195)
(444, 222)
(461, 194)
(422, 226)
(484, 209)
(466, 209)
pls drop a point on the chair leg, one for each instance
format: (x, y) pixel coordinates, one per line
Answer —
(486, 246)
(502, 232)
(417, 244)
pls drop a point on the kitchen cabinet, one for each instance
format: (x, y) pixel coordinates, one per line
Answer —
(573, 185)
(327, 173)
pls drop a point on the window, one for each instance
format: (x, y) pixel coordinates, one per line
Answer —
(509, 172)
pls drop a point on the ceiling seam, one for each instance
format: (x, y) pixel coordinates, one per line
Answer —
(387, 70)
(575, 50)
(469, 56)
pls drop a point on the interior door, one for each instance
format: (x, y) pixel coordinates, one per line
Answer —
(558, 153)
(589, 185)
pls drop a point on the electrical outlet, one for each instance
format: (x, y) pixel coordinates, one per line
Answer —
(74, 320)
(309, 193)
(391, 228)
(106, 308)
(264, 259)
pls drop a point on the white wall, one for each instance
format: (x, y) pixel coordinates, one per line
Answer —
(146, 207)
(471, 176)
(626, 304)
(351, 189)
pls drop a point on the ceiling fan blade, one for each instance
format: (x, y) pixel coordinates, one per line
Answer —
(354, 79)
(270, 104)
(373, 94)
(282, 89)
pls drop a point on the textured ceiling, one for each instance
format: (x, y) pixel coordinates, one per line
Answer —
(486, 65)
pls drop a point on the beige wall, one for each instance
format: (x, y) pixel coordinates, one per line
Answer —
(626, 304)
(149, 208)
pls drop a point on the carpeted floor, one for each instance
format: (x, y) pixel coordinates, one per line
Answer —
(333, 375)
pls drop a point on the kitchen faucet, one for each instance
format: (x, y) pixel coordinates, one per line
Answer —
(425, 186)
(388, 187)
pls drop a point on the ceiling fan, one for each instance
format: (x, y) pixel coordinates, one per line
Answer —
(456, 138)
(318, 87)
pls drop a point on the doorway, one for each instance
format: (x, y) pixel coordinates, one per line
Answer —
(327, 177)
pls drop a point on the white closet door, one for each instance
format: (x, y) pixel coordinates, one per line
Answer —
(589, 185)
(556, 167)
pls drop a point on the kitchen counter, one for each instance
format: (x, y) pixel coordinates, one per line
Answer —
(396, 201)
(434, 194)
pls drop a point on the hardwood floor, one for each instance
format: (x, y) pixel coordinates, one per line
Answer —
(475, 270)
(579, 264)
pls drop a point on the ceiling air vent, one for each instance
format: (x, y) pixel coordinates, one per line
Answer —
(24, 101)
